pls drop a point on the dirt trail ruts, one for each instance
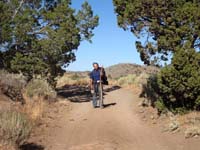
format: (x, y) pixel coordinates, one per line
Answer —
(116, 127)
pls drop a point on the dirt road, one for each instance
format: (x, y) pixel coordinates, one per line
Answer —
(116, 127)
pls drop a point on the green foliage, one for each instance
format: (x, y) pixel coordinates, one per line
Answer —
(28, 65)
(172, 30)
(1, 60)
(40, 37)
(160, 106)
(151, 89)
(180, 110)
(166, 25)
(178, 85)
(15, 128)
(5, 20)
(40, 87)
(86, 21)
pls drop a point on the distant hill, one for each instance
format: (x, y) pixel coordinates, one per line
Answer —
(124, 69)
(79, 73)
(120, 70)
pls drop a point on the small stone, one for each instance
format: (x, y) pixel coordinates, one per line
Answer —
(144, 119)
(140, 104)
(145, 103)
(154, 122)
(152, 117)
(176, 131)
(173, 126)
(141, 111)
(71, 119)
(164, 129)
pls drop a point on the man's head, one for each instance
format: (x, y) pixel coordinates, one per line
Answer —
(95, 65)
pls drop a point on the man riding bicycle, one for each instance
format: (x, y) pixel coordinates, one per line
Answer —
(97, 78)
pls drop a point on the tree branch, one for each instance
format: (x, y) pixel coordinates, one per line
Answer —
(40, 31)
(195, 37)
(17, 10)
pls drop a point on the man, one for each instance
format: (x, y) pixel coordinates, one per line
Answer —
(98, 74)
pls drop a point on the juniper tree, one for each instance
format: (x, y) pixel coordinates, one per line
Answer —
(166, 25)
(40, 36)
(171, 30)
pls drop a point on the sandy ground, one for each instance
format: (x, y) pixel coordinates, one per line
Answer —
(116, 127)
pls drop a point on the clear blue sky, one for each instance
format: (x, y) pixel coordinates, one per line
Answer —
(111, 44)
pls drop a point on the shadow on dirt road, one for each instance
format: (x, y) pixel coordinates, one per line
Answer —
(81, 94)
(31, 146)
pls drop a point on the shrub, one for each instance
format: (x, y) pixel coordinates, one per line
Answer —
(40, 88)
(109, 76)
(127, 80)
(130, 80)
(152, 88)
(72, 79)
(15, 128)
(75, 76)
(34, 108)
(178, 85)
(160, 106)
(192, 131)
(12, 84)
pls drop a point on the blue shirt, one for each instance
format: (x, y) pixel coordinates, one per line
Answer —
(95, 75)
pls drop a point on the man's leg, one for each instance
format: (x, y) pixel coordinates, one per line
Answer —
(94, 101)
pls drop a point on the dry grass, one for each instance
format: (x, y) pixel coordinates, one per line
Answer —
(16, 120)
(192, 131)
(13, 116)
(7, 147)
(34, 108)
(120, 70)
(190, 122)
(40, 88)
(12, 79)
(12, 84)
(37, 94)
(130, 81)
(15, 128)
(72, 79)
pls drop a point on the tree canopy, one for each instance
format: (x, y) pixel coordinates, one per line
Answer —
(166, 25)
(40, 36)
(171, 30)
